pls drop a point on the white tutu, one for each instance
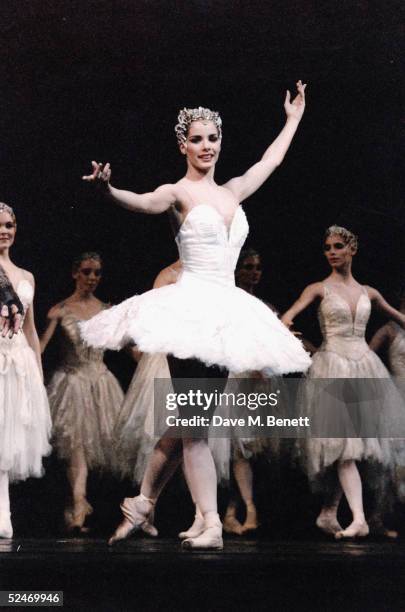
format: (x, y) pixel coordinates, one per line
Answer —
(203, 315)
(25, 422)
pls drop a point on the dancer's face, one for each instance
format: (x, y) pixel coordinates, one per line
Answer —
(250, 272)
(7, 230)
(337, 252)
(88, 275)
(202, 146)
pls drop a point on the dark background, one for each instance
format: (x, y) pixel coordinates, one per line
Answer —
(104, 80)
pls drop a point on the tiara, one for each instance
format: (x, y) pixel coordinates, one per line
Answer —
(188, 115)
(6, 208)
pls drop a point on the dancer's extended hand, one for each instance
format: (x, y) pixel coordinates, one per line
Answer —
(100, 176)
(295, 109)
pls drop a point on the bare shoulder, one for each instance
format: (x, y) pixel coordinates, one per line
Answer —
(175, 192)
(372, 293)
(56, 312)
(28, 276)
(315, 289)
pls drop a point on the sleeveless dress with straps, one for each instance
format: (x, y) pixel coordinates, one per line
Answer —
(345, 354)
(85, 398)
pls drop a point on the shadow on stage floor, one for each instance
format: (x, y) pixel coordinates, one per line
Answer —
(145, 574)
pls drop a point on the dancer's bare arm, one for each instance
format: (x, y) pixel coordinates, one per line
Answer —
(379, 302)
(154, 202)
(309, 295)
(53, 318)
(243, 186)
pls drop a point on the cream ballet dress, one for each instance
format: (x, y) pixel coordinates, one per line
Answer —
(25, 422)
(345, 354)
(85, 399)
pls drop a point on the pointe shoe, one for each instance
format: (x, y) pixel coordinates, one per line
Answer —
(195, 530)
(210, 539)
(232, 525)
(251, 523)
(6, 528)
(137, 516)
(328, 524)
(357, 529)
(75, 516)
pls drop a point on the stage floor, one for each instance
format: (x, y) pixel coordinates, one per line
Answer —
(145, 574)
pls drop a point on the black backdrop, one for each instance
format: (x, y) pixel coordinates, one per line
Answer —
(83, 80)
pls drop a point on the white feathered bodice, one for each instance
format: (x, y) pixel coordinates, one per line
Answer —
(207, 248)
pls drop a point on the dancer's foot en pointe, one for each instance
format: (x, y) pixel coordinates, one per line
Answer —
(357, 529)
(328, 523)
(138, 515)
(211, 537)
(196, 528)
(6, 528)
(75, 516)
(231, 524)
(251, 522)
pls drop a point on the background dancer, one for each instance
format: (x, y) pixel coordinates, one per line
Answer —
(85, 398)
(344, 310)
(24, 413)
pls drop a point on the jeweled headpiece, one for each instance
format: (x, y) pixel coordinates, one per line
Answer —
(347, 236)
(83, 256)
(6, 208)
(188, 115)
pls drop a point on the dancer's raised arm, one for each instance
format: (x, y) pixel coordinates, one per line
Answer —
(309, 295)
(154, 202)
(243, 186)
(379, 302)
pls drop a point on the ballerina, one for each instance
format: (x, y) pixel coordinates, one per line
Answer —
(343, 313)
(84, 396)
(196, 321)
(25, 422)
(248, 274)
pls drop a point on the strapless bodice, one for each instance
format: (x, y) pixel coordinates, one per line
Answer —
(342, 332)
(75, 353)
(207, 248)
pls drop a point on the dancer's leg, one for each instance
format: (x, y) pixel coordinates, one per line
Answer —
(77, 473)
(6, 529)
(198, 461)
(244, 479)
(231, 523)
(327, 520)
(139, 511)
(198, 524)
(350, 481)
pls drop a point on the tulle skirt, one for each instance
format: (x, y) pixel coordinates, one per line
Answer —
(85, 403)
(196, 318)
(379, 411)
(25, 423)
